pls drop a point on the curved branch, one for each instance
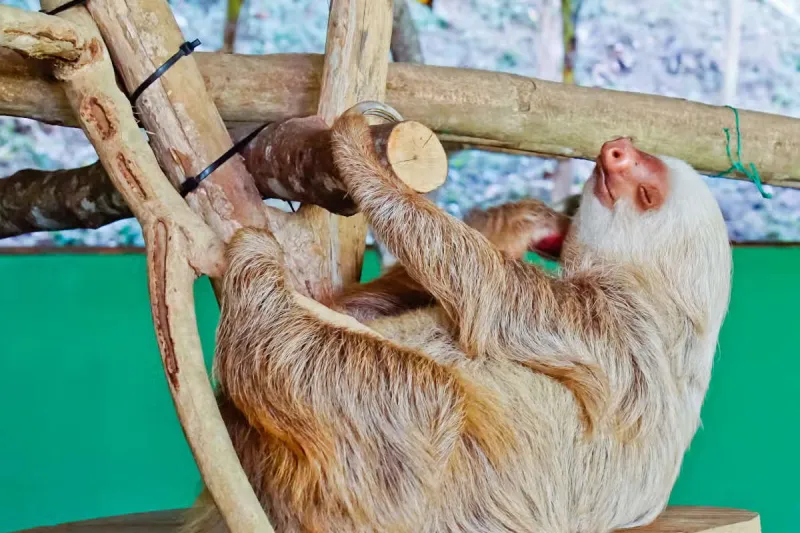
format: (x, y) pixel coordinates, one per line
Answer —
(180, 245)
(172, 305)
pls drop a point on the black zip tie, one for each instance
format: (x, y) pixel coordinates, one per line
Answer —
(62, 7)
(184, 50)
(192, 183)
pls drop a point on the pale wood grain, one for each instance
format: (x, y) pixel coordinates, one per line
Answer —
(38, 35)
(703, 520)
(354, 70)
(673, 520)
(188, 133)
(179, 247)
(414, 154)
(485, 109)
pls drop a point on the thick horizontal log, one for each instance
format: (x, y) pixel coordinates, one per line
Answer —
(37, 200)
(479, 108)
(673, 520)
(289, 160)
(292, 160)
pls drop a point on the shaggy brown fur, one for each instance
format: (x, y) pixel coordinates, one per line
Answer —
(513, 228)
(507, 399)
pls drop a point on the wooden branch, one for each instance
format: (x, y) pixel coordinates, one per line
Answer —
(36, 200)
(703, 520)
(673, 520)
(105, 115)
(289, 160)
(355, 67)
(292, 160)
(38, 35)
(179, 246)
(28, 89)
(480, 108)
(405, 46)
(188, 133)
(172, 305)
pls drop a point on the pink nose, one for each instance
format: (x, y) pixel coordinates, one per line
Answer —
(629, 172)
(618, 156)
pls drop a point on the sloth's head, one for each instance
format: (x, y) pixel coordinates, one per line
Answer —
(655, 212)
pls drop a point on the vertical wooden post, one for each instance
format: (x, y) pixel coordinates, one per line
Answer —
(356, 66)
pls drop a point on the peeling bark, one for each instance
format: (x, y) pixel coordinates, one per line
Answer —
(34, 200)
(38, 35)
(159, 275)
(180, 246)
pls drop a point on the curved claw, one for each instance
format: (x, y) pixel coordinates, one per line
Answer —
(375, 109)
(569, 205)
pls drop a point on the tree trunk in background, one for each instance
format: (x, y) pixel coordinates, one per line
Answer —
(554, 62)
(405, 46)
(733, 41)
(231, 23)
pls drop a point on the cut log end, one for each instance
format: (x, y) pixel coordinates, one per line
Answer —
(414, 153)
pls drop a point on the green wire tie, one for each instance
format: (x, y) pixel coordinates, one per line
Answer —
(752, 172)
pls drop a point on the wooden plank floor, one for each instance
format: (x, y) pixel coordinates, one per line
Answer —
(674, 520)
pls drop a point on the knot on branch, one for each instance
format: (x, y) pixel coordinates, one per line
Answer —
(90, 54)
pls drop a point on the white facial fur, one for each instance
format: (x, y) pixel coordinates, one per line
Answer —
(685, 241)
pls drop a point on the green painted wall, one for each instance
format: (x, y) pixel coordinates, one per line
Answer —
(87, 426)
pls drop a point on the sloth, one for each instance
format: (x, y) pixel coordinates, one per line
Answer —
(469, 390)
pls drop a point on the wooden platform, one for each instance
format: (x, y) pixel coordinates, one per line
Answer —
(674, 520)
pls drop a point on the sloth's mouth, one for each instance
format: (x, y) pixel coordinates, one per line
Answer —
(601, 189)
